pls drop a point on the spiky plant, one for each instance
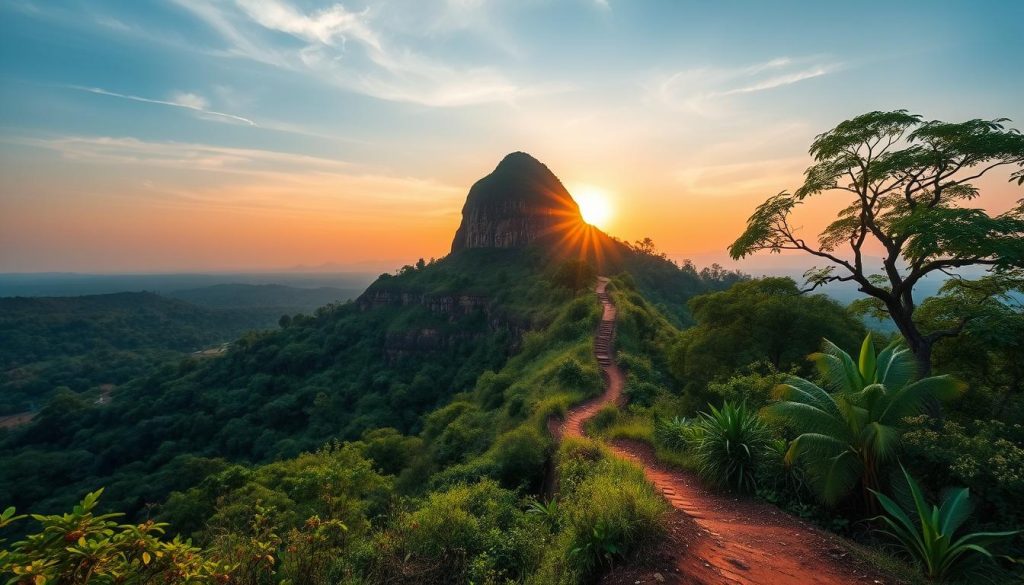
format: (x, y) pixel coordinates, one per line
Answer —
(848, 430)
(931, 537)
(730, 444)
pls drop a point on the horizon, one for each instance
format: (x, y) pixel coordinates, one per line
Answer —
(252, 137)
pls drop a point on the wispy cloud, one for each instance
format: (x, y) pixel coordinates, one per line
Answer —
(184, 100)
(780, 80)
(349, 49)
(700, 89)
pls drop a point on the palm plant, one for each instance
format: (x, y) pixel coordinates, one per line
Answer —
(930, 538)
(848, 430)
(729, 445)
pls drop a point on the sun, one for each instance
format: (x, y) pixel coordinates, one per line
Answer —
(595, 206)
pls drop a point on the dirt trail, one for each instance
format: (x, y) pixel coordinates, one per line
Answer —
(729, 540)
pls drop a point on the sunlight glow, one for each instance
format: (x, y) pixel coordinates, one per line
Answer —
(595, 206)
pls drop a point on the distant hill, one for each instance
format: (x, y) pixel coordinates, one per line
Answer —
(289, 299)
(70, 284)
(88, 341)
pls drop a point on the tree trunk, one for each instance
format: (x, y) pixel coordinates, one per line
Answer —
(920, 346)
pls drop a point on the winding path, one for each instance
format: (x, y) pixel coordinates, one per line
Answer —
(738, 540)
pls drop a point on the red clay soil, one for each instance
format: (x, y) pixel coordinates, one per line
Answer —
(715, 538)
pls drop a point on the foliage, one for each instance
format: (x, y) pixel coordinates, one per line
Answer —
(83, 343)
(987, 456)
(849, 430)
(334, 483)
(608, 512)
(764, 320)
(990, 352)
(84, 547)
(729, 445)
(907, 181)
(931, 537)
(751, 385)
(675, 433)
(469, 533)
(574, 275)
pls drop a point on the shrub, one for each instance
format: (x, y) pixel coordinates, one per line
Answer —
(572, 375)
(518, 457)
(748, 386)
(475, 533)
(603, 419)
(930, 537)
(729, 446)
(674, 433)
(986, 456)
(81, 546)
(608, 511)
(611, 514)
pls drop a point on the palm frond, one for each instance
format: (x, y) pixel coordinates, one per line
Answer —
(911, 399)
(895, 367)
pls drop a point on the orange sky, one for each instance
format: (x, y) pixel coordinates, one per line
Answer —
(183, 136)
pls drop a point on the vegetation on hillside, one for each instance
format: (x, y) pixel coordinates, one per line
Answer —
(81, 343)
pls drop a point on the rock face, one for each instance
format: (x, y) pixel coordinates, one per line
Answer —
(519, 202)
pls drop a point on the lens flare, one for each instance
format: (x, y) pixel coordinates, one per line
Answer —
(595, 206)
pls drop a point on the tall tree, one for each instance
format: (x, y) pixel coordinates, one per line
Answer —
(907, 181)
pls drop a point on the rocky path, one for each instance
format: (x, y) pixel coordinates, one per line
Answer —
(727, 540)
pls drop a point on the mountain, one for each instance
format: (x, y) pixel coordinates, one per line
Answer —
(519, 202)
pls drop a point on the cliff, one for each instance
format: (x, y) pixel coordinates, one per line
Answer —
(519, 202)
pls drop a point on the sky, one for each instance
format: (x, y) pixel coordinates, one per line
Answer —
(202, 135)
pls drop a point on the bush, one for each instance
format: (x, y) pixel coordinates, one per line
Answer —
(604, 418)
(608, 512)
(518, 457)
(751, 385)
(470, 533)
(676, 434)
(612, 513)
(83, 546)
(729, 445)
(984, 455)
(573, 375)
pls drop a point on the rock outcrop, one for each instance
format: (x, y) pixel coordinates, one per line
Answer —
(519, 202)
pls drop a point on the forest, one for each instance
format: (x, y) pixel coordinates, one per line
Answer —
(407, 436)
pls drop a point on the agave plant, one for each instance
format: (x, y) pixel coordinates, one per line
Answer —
(729, 446)
(850, 429)
(931, 537)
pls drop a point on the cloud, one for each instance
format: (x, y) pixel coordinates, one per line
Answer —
(188, 101)
(700, 89)
(352, 51)
(326, 26)
(779, 81)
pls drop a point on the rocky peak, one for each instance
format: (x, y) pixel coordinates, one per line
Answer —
(519, 202)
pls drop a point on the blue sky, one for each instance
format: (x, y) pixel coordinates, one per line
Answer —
(194, 134)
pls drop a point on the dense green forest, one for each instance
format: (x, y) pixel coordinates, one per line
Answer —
(82, 343)
(87, 342)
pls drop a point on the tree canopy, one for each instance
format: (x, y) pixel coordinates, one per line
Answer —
(909, 183)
